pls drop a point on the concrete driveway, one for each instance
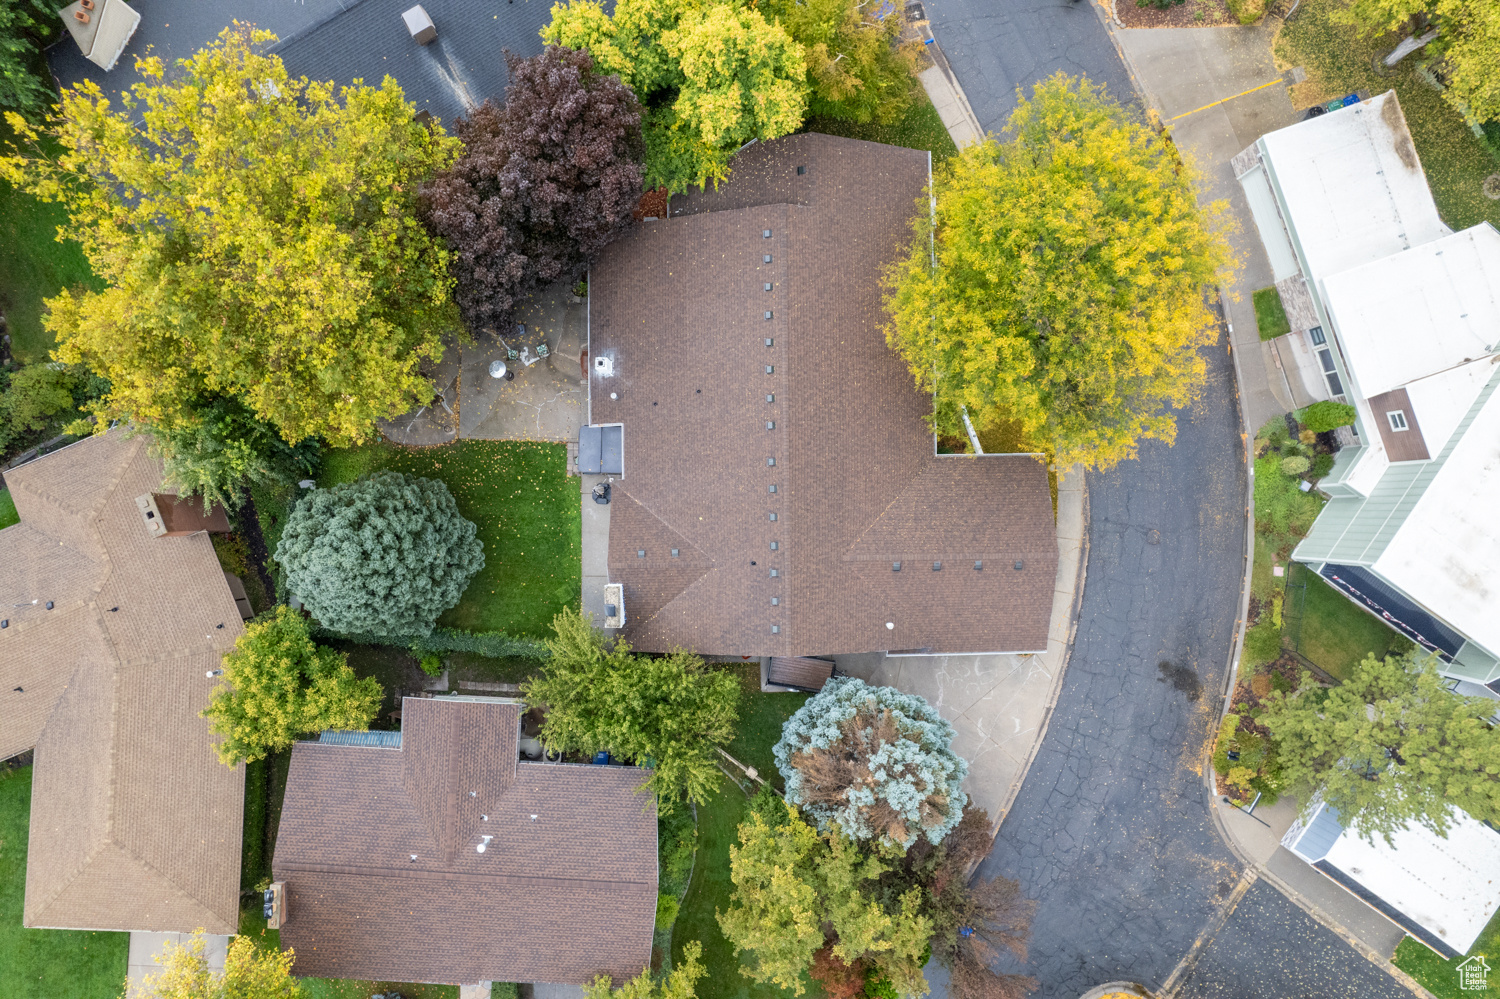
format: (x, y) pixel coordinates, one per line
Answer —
(997, 46)
(1218, 90)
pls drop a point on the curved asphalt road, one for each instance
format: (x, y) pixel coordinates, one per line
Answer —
(1111, 832)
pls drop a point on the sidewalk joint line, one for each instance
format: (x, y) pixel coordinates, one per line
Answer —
(1231, 97)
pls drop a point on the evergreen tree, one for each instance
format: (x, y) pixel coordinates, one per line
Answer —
(873, 761)
(278, 685)
(384, 555)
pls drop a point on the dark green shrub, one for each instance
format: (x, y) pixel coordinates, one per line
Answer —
(491, 644)
(1321, 466)
(1279, 505)
(676, 839)
(1327, 415)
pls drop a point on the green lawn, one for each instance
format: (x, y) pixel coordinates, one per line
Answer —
(919, 128)
(33, 264)
(1338, 61)
(1270, 317)
(1439, 977)
(8, 513)
(46, 964)
(761, 717)
(1335, 633)
(527, 510)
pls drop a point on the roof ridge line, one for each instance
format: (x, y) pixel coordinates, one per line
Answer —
(844, 555)
(713, 563)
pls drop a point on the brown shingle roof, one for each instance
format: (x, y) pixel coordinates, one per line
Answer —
(680, 306)
(135, 825)
(564, 891)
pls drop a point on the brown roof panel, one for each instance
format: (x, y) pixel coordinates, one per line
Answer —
(135, 825)
(564, 890)
(714, 417)
(1400, 445)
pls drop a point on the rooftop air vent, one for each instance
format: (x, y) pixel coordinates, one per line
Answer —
(604, 365)
(419, 23)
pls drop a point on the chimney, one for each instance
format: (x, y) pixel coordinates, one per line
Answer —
(419, 24)
(169, 516)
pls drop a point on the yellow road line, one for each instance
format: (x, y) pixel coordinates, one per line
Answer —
(1242, 93)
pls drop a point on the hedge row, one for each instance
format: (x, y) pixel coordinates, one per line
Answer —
(494, 644)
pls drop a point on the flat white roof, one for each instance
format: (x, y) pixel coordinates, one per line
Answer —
(1352, 185)
(1449, 886)
(1446, 555)
(1419, 312)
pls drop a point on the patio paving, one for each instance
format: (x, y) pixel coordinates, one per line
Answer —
(545, 401)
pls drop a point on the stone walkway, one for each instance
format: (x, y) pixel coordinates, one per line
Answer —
(1000, 704)
(544, 399)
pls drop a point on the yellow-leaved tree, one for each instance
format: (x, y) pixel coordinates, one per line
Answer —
(1463, 34)
(249, 973)
(1058, 286)
(258, 238)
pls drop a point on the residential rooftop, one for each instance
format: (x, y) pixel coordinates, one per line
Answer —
(440, 856)
(1354, 186)
(781, 492)
(108, 634)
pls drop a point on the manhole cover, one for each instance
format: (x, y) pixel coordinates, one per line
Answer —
(1153, 537)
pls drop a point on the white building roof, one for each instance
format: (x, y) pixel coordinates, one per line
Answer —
(1353, 186)
(1450, 887)
(1446, 554)
(1419, 312)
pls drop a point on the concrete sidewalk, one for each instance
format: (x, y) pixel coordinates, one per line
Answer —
(147, 948)
(1000, 704)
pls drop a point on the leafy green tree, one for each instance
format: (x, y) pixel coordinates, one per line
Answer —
(677, 984)
(25, 26)
(790, 881)
(32, 398)
(857, 67)
(249, 973)
(225, 449)
(1389, 746)
(712, 76)
(383, 555)
(1468, 38)
(279, 684)
(1072, 261)
(259, 238)
(670, 713)
(875, 762)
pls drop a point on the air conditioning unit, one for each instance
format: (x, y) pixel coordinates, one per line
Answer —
(275, 905)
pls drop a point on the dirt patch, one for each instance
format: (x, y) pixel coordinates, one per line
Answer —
(653, 205)
(1194, 13)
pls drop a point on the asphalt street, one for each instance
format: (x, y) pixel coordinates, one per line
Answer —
(995, 46)
(1111, 831)
(1269, 947)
